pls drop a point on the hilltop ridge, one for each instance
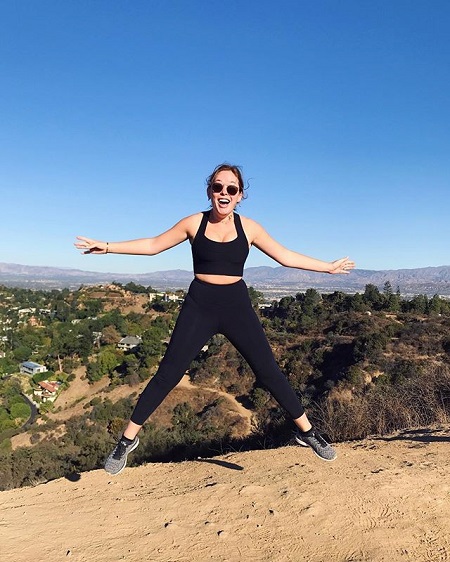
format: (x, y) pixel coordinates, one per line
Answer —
(384, 499)
(270, 280)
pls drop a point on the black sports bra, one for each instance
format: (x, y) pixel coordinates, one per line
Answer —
(220, 258)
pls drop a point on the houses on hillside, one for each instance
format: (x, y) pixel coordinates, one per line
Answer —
(43, 391)
(47, 391)
(129, 342)
(166, 297)
(31, 368)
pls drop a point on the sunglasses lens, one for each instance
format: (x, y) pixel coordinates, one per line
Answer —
(230, 189)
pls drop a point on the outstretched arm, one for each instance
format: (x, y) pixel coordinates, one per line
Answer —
(142, 246)
(288, 258)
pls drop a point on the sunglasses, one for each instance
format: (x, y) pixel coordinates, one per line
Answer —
(230, 189)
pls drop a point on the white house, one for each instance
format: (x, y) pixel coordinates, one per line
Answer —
(31, 368)
(166, 297)
(24, 311)
(129, 342)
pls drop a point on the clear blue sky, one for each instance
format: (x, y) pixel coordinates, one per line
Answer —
(112, 113)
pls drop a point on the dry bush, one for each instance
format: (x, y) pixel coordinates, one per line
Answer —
(416, 402)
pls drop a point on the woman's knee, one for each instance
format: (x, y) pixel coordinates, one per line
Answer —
(167, 378)
(268, 373)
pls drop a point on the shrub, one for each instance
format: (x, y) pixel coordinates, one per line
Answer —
(20, 410)
(418, 401)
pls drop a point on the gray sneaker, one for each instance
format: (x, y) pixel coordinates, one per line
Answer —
(313, 439)
(117, 460)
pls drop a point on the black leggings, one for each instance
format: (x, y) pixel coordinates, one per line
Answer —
(207, 310)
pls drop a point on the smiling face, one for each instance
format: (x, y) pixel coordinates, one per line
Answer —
(223, 203)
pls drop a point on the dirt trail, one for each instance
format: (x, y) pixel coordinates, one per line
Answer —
(383, 500)
(72, 401)
(237, 406)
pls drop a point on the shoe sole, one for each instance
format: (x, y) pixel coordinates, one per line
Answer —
(124, 466)
(303, 444)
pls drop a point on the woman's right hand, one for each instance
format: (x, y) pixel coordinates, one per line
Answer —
(90, 246)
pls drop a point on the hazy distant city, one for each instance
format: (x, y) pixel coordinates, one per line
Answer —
(274, 282)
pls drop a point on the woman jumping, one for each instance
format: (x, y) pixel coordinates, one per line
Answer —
(217, 302)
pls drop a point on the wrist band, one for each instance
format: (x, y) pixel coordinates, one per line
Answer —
(107, 247)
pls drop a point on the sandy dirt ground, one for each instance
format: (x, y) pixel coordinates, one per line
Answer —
(384, 499)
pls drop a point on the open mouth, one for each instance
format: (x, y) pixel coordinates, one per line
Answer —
(223, 202)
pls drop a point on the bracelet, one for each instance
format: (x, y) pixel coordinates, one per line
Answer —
(107, 247)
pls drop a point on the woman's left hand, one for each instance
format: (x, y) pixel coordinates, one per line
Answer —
(344, 265)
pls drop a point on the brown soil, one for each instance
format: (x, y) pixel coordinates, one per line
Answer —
(383, 500)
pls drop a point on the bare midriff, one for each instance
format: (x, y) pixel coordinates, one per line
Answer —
(217, 279)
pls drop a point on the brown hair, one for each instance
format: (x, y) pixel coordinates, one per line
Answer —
(236, 170)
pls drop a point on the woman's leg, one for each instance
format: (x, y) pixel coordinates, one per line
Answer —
(193, 329)
(245, 332)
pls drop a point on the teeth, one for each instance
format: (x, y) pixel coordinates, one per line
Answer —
(224, 200)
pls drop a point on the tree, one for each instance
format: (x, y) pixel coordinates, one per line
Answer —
(106, 362)
(22, 353)
(357, 303)
(256, 297)
(370, 347)
(62, 311)
(337, 301)
(151, 347)
(20, 410)
(434, 305)
(311, 299)
(85, 343)
(387, 290)
(93, 307)
(134, 288)
(185, 419)
(39, 377)
(418, 304)
(111, 318)
(260, 398)
(130, 367)
(160, 305)
(373, 297)
(394, 303)
(110, 335)
(7, 366)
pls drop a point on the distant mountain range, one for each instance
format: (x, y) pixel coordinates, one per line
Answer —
(272, 281)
